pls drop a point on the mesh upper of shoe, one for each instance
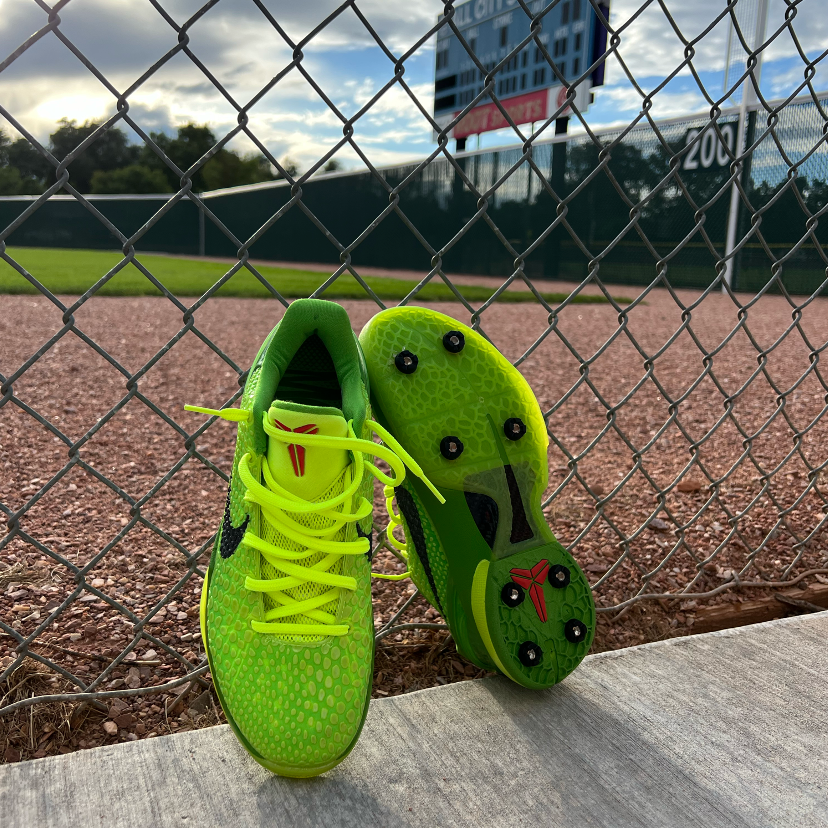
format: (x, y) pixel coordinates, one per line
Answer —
(308, 589)
(298, 704)
(303, 471)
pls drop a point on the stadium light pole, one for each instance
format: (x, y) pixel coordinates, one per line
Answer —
(748, 98)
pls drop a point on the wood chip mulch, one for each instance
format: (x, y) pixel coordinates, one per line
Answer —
(617, 495)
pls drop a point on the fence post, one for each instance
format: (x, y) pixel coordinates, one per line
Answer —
(556, 179)
(743, 219)
(748, 99)
(202, 242)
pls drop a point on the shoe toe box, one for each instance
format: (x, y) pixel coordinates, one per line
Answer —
(296, 706)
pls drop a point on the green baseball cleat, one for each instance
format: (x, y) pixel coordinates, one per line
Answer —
(513, 597)
(286, 615)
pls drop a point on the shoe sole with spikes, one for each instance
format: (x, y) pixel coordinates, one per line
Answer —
(514, 599)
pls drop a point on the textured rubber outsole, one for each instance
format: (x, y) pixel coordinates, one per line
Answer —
(469, 418)
(292, 771)
(517, 625)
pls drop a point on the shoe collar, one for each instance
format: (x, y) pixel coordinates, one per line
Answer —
(330, 322)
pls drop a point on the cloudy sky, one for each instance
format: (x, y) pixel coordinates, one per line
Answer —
(234, 40)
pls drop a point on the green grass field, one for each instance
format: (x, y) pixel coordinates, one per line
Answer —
(75, 271)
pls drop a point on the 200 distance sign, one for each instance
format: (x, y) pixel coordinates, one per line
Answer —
(709, 153)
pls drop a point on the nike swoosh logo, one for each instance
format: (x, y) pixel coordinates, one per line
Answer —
(370, 535)
(414, 533)
(521, 530)
(231, 536)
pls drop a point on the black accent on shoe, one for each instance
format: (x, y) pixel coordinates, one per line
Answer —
(484, 512)
(231, 536)
(370, 535)
(575, 631)
(406, 362)
(454, 342)
(559, 576)
(451, 447)
(521, 530)
(530, 654)
(512, 595)
(417, 537)
(514, 428)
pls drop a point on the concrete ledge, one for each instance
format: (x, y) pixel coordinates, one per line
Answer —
(724, 729)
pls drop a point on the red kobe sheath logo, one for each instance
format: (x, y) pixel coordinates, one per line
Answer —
(532, 579)
(297, 453)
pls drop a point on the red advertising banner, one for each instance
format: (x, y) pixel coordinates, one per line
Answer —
(522, 109)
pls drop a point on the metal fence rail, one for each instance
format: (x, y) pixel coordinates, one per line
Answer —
(770, 141)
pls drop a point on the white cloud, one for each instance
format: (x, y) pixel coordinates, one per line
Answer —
(123, 38)
(649, 45)
(652, 50)
(240, 48)
(666, 104)
(82, 107)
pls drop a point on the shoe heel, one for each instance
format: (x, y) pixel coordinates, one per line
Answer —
(535, 614)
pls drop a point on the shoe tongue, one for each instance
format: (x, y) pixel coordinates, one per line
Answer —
(306, 471)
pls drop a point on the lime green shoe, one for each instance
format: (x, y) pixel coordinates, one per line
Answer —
(286, 613)
(513, 597)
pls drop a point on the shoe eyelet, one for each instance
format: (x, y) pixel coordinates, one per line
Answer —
(454, 342)
(406, 362)
(530, 654)
(514, 428)
(512, 595)
(559, 576)
(451, 447)
(575, 631)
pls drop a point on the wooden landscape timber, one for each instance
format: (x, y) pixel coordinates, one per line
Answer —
(779, 604)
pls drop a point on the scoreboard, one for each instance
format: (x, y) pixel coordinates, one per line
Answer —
(526, 86)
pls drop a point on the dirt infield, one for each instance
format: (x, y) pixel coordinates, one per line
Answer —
(761, 517)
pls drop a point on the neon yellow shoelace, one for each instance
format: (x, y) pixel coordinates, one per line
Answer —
(277, 504)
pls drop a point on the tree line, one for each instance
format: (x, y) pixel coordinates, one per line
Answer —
(111, 164)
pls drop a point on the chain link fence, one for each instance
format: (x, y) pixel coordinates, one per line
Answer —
(688, 429)
(439, 205)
